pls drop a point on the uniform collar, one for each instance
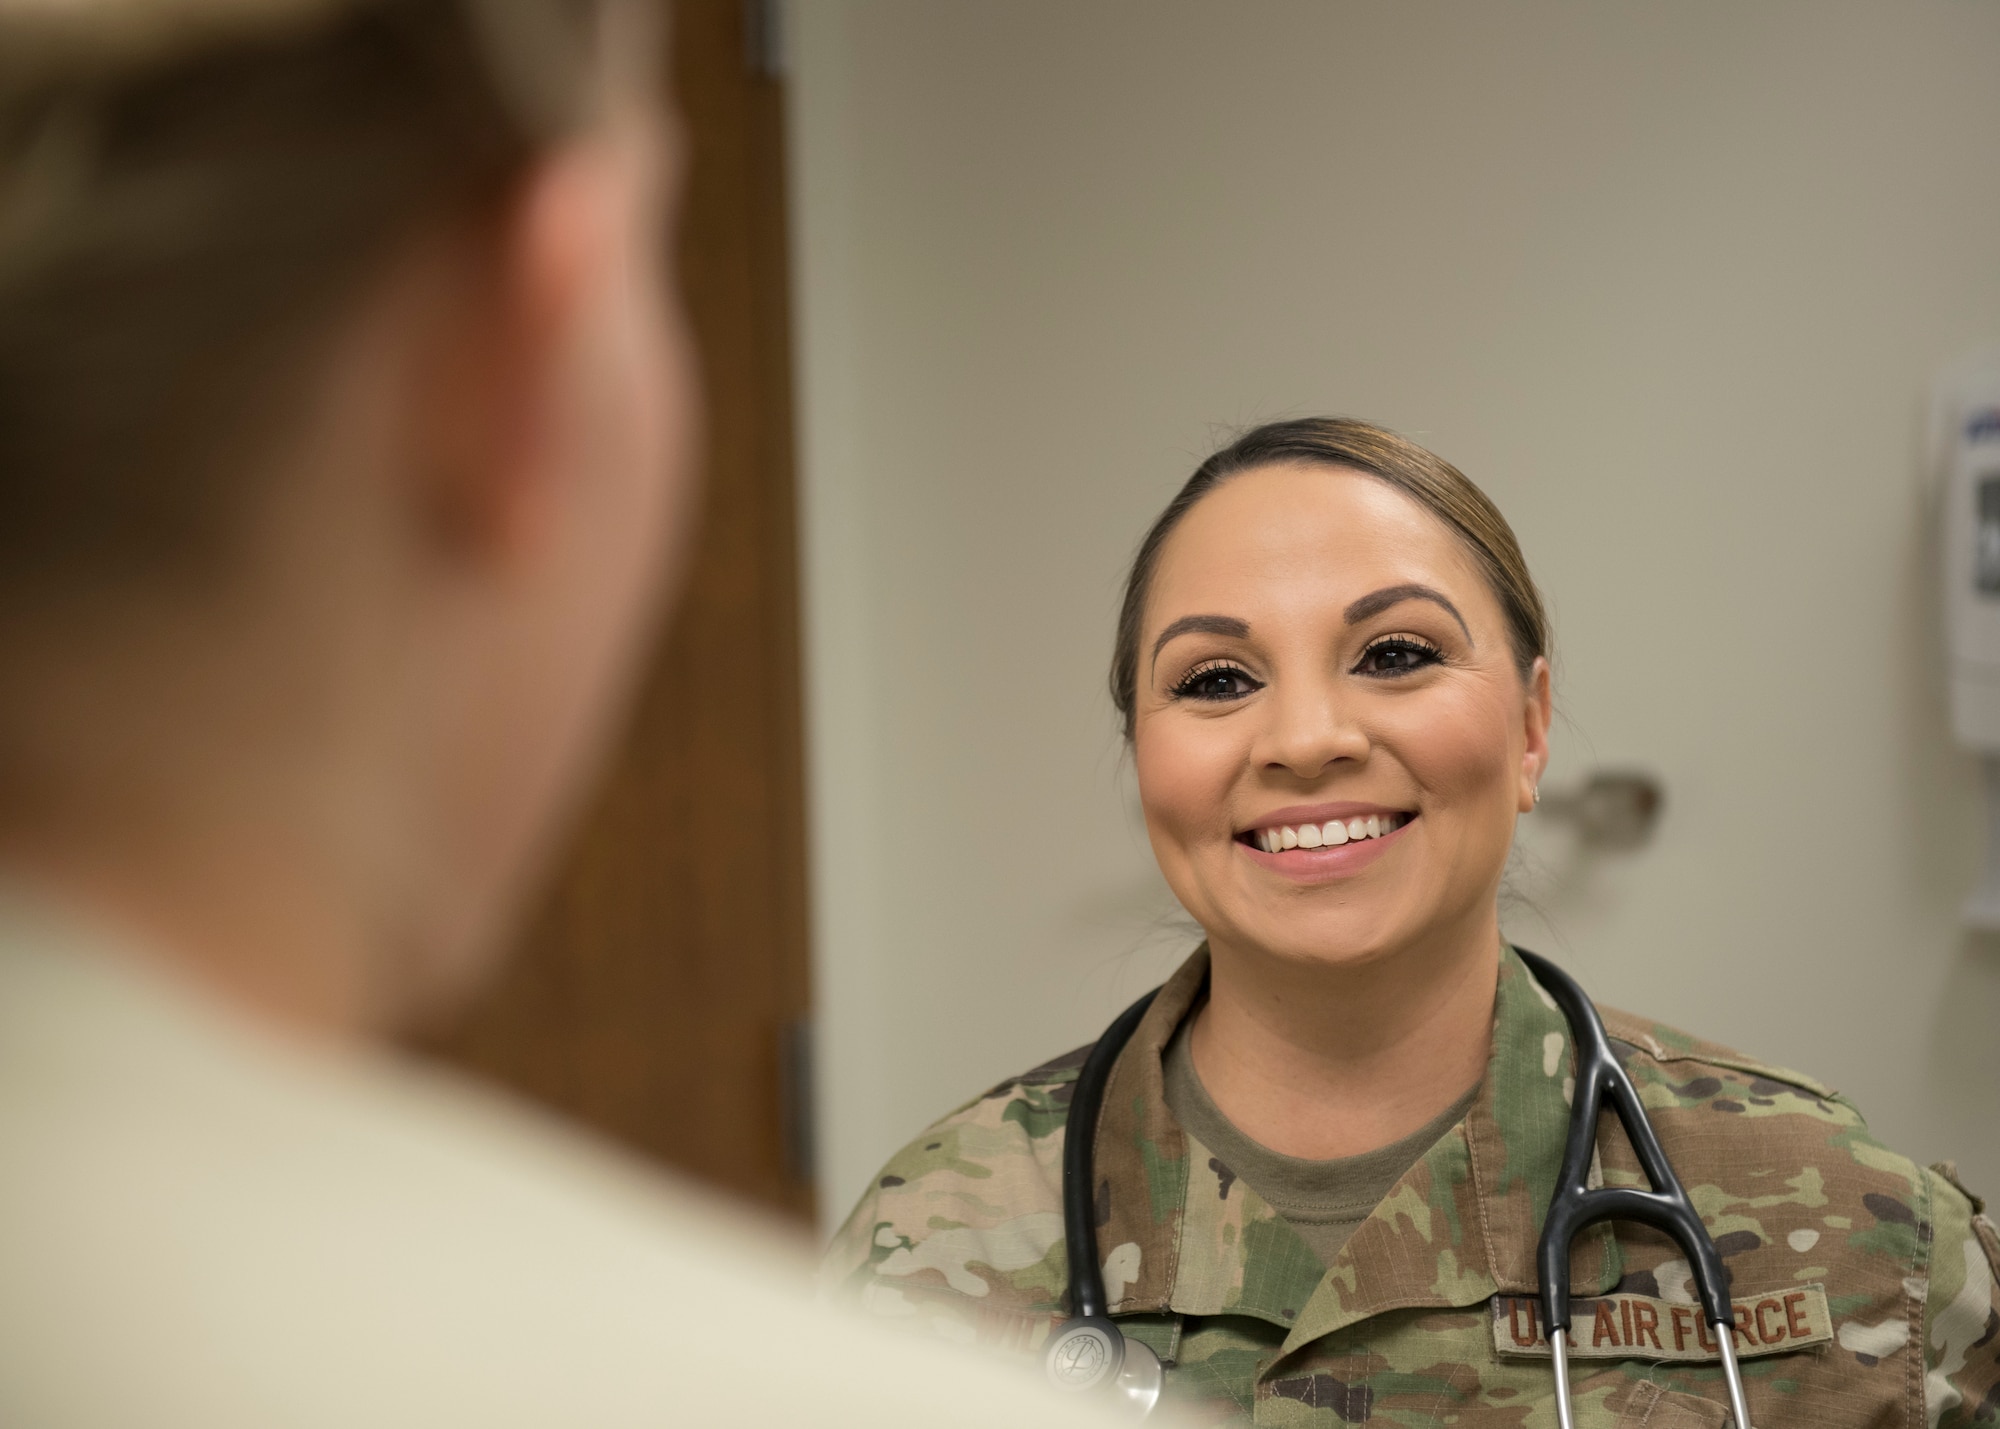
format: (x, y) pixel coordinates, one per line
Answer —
(1181, 1234)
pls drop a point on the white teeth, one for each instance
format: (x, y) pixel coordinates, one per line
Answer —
(1332, 834)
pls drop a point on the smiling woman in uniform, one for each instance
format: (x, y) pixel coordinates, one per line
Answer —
(1325, 1154)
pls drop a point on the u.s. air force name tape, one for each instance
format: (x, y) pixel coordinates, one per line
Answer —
(1640, 1327)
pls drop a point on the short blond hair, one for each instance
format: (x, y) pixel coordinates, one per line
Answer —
(189, 191)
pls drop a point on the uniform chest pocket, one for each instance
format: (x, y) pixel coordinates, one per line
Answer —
(1651, 1407)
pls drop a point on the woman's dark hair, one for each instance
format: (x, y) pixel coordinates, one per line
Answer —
(1342, 442)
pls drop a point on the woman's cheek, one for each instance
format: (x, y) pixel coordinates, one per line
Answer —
(1184, 786)
(1462, 754)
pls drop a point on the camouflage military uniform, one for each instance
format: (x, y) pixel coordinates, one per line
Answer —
(1865, 1286)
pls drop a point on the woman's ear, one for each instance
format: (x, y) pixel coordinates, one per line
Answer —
(489, 479)
(1538, 709)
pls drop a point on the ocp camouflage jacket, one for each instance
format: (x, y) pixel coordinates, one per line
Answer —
(1864, 1285)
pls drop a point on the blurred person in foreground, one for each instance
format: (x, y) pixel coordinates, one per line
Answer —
(345, 429)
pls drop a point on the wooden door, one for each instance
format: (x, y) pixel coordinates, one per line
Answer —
(661, 994)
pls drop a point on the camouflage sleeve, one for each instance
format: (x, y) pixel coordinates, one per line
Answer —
(1961, 1327)
(959, 1235)
(851, 1253)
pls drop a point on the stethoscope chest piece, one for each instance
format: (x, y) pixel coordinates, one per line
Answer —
(1093, 1355)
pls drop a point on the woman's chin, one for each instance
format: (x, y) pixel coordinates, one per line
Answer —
(1347, 941)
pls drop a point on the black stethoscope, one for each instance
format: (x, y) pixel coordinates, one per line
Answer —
(1088, 1353)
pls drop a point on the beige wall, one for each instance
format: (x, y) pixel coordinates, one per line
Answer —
(1668, 280)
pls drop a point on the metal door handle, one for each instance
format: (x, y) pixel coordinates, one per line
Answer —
(1612, 809)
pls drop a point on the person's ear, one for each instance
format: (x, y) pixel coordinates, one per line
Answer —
(490, 469)
(1538, 711)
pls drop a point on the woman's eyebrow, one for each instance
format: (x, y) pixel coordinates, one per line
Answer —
(1375, 602)
(1203, 625)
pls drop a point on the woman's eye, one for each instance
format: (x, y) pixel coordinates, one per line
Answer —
(1215, 682)
(1397, 655)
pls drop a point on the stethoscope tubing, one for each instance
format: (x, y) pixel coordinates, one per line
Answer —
(1086, 1278)
(1574, 1207)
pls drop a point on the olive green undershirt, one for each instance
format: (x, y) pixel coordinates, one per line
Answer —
(1324, 1201)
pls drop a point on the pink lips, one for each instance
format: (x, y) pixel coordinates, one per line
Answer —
(1327, 863)
(1296, 814)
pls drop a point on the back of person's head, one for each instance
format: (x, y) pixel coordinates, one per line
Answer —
(342, 408)
(190, 191)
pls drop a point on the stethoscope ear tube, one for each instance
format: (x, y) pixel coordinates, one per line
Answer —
(1575, 1207)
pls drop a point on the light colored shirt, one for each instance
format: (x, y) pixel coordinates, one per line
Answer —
(205, 1224)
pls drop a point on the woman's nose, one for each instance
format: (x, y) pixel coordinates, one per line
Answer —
(1309, 730)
